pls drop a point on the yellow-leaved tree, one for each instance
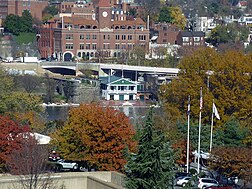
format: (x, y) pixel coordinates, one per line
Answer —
(226, 78)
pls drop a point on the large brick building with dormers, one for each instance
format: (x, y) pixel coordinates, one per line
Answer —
(108, 34)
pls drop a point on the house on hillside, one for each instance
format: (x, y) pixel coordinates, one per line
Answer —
(124, 89)
(119, 89)
(191, 38)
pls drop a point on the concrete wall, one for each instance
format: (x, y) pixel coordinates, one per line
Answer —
(81, 180)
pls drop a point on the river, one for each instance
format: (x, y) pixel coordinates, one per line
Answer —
(135, 113)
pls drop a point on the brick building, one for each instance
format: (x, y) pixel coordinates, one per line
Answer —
(18, 6)
(164, 33)
(108, 35)
(191, 38)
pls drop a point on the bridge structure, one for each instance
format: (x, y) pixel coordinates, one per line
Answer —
(120, 70)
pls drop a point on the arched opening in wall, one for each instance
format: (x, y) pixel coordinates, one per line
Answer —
(117, 27)
(68, 57)
(79, 54)
(94, 27)
(82, 27)
(88, 27)
(129, 27)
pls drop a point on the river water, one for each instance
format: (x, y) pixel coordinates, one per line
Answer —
(135, 113)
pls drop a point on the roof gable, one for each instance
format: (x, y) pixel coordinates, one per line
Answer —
(122, 81)
(192, 33)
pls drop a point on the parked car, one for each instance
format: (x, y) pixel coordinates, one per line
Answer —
(53, 156)
(205, 182)
(66, 165)
(181, 181)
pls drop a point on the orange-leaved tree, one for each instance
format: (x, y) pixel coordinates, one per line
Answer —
(9, 138)
(97, 135)
(232, 161)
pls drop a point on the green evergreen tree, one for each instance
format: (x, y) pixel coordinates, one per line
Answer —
(152, 166)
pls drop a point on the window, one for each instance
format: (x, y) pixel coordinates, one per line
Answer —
(121, 88)
(196, 39)
(104, 46)
(69, 36)
(94, 36)
(81, 36)
(185, 39)
(104, 36)
(142, 37)
(117, 37)
(69, 46)
(108, 37)
(88, 36)
(129, 37)
(129, 46)
(87, 46)
(93, 46)
(81, 46)
(123, 37)
(164, 40)
(111, 97)
(165, 28)
(117, 46)
(123, 46)
(112, 88)
(165, 34)
(131, 88)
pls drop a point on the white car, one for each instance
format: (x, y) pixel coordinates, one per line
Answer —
(65, 164)
(181, 181)
(205, 182)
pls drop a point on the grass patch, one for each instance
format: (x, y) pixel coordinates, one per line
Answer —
(25, 38)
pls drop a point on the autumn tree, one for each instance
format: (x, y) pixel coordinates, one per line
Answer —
(29, 82)
(20, 105)
(96, 135)
(29, 163)
(10, 139)
(152, 166)
(173, 15)
(232, 161)
(224, 77)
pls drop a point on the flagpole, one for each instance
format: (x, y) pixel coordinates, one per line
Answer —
(211, 133)
(201, 104)
(188, 135)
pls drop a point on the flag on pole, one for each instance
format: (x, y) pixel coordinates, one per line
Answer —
(215, 112)
(189, 106)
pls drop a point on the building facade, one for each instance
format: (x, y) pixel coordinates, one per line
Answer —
(121, 89)
(107, 35)
(16, 7)
(191, 38)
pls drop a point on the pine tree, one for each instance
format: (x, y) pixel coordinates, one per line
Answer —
(152, 166)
